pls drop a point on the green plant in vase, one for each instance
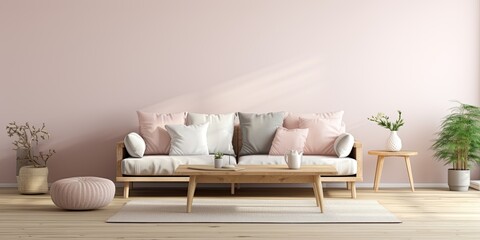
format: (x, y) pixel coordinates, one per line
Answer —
(218, 155)
(383, 120)
(218, 160)
(394, 143)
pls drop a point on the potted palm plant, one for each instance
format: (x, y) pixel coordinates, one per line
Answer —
(458, 143)
(33, 177)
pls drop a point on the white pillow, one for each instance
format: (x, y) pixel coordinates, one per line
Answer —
(188, 140)
(134, 144)
(220, 130)
(343, 144)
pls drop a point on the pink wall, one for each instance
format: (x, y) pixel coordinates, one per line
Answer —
(85, 67)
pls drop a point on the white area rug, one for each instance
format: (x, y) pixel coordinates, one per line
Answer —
(222, 210)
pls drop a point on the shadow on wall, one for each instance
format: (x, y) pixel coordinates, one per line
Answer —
(284, 86)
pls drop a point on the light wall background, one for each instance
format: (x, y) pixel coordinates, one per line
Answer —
(85, 67)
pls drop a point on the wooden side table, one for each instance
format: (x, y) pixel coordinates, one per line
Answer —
(382, 154)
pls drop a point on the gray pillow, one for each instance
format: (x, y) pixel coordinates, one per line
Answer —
(343, 144)
(258, 131)
(188, 140)
(134, 144)
(220, 130)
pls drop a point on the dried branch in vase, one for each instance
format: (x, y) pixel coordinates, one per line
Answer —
(27, 136)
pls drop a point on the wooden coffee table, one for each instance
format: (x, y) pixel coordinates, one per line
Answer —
(256, 174)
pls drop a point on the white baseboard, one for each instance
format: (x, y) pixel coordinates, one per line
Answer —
(8, 185)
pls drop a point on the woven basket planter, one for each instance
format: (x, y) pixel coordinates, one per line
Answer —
(32, 180)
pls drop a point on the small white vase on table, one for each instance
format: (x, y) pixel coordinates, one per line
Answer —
(394, 143)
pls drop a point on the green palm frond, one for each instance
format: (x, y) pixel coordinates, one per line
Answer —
(458, 141)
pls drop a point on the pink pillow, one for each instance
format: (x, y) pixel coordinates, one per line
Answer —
(322, 135)
(152, 130)
(288, 139)
(293, 119)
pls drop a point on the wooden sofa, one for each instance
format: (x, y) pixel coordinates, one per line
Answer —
(121, 153)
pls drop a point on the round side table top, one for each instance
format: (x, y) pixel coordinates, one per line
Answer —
(390, 153)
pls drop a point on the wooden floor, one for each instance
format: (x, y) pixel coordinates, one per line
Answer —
(426, 214)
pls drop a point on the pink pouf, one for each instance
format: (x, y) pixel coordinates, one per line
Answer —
(82, 193)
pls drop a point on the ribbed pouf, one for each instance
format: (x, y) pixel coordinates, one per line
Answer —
(82, 193)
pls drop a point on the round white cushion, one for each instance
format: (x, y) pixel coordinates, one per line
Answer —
(343, 145)
(135, 145)
(82, 193)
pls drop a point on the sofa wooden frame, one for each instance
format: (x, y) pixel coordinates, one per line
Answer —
(121, 152)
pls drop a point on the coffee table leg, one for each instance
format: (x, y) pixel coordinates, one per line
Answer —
(318, 182)
(315, 191)
(192, 184)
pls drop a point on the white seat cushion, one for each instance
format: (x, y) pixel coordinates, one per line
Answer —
(345, 166)
(165, 165)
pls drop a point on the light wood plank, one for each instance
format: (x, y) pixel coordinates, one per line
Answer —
(426, 214)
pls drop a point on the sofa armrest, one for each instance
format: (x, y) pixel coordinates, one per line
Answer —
(121, 154)
(357, 154)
